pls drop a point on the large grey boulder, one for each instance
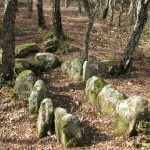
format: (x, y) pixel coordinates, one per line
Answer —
(93, 86)
(49, 60)
(129, 114)
(67, 128)
(24, 84)
(38, 93)
(72, 69)
(25, 49)
(110, 67)
(88, 71)
(109, 98)
(45, 120)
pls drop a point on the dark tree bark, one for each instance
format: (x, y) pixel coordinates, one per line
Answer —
(8, 37)
(142, 16)
(57, 23)
(41, 21)
(79, 6)
(30, 8)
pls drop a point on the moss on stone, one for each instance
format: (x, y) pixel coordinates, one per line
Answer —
(93, 87)
(108, 99)
(25, 73)
(48, 35)
(25, 49)
(28, 64)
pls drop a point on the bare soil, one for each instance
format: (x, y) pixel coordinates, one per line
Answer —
(18, 130)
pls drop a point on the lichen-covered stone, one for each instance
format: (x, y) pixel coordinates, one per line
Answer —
(51, 45)
(76, 68)
(93, 86)
(66, 67)
(88, 70)
(70, 131)
(38, 93)
(24, 84)
(45, 120)
(25, 49)
(59, 113)
(129, 113)
(72, 69)
(28, 64)
(110, 67)
(67, 128)
(49, 60)
(109, 98)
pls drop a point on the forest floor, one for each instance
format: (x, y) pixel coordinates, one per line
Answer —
(18, 130)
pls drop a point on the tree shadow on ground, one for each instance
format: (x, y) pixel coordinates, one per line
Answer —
(92, 135)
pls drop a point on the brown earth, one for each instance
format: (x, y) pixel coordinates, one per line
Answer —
(18, 130)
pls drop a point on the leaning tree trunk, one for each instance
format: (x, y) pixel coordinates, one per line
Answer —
(8, 37)
(105, 11)
(122, 3)
(30, 8)
(142, 16)
(41, 21)
(91, 18)
(58, 30)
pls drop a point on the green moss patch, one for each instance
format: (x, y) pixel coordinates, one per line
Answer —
(25, 49)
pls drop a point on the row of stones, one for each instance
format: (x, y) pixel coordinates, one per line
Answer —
(128, 114)
(66, 125)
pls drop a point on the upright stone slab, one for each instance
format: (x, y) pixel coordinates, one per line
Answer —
(72, 69)
(45, 120)
(59, 113)
(93, 86)
(66, 67)
(67, 128)
(109, 98)
(129, 114)
(38, 93)
(49, 60)
(70, 131)
(24, 84)
(88, 71)
(75, 72)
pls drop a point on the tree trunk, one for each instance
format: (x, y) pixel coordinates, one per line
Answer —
(121, 12)
(91, 17)
(8, 37)
(142, 16)
(58, 30)
(41, 21)
(30, 8)
(79, 6)
(111, 12)
(105, 11)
